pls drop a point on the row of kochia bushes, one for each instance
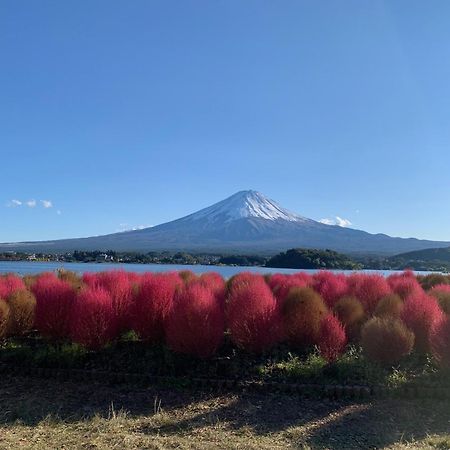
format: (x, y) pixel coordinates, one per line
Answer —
(388, 317)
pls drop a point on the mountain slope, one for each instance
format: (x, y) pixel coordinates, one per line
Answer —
(431, 255)
(246, 222)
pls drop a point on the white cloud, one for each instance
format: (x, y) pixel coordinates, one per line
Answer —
(342, 222)
(31, 203)
(339, 221)
(47, 203)
(13, 203)
(128, 227)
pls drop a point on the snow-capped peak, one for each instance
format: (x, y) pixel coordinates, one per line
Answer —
(246, 204)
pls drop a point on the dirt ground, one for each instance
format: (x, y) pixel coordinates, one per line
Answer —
(42, 414)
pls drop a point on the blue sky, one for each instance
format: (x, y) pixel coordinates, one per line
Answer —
(124, 114)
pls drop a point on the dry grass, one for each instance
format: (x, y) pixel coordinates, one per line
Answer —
(65, 415)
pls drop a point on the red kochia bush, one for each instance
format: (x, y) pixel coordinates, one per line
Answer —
(369, 289)
(282, 284)
(420, 313)
(440, 342)
(152, 304)
(404, 284)
(118, 284)
(195, 325)
(332, 338)
(10, 283)
(91, 279)
(54, 303)
(330, 287)
(215, 282)
(253, 315)
(93, 318)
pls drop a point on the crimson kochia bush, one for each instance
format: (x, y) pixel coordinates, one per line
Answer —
(152, 304)
(253, 314)
(94, 322)
(195, 325)
(332, 338)
(9, 284)
(54, 306)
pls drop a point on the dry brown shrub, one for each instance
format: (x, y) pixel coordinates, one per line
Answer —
(4, 318)
(443, 298)
(350, 312)
(386, 340)
(29, 280)
(71, 277)
(389, 306)
(303, 310)
(22, 306)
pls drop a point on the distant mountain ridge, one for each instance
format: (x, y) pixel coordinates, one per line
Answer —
(429, 255)
(245, 222)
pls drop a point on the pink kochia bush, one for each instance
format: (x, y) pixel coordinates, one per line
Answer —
(153, 303)
(10, 284)
(332, 338)
(331, 287)
(282, 284)
(404, 284)
(420, 313)
(216, 283)
(369, 289)
(195, 325)
(118, 284)
(54, 306)
(253, 314)
(94, 322)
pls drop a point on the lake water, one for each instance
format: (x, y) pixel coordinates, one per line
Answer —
(32, 267)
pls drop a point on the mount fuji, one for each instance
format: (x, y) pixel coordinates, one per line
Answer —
(246, 222)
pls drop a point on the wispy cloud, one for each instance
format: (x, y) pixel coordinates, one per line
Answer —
(13, 203)
(58, 212)
(32, 203)
(339, 221)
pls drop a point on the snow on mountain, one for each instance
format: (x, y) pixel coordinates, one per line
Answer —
(245, 204)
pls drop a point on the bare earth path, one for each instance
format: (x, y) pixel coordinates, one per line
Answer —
(40, 414)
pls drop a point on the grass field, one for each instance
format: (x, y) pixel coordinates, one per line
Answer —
(40, 414)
